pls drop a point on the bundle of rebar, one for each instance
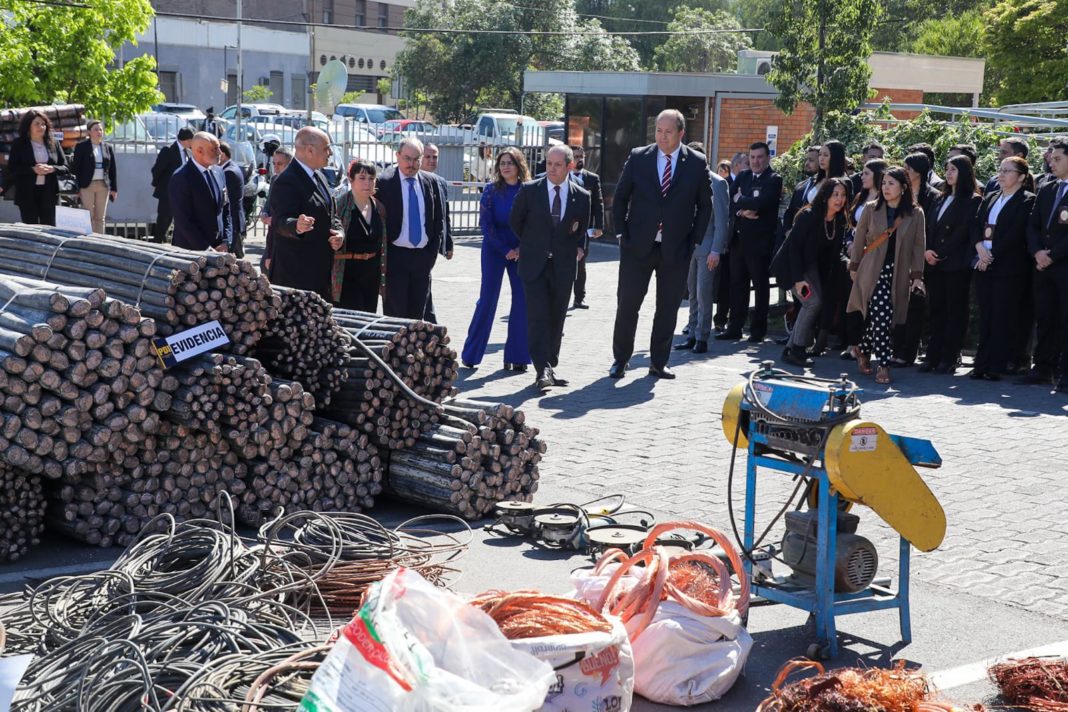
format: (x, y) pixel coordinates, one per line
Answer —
(22, 511)
(390, 361)
(478, 455)
(303, 343)
(178, 288)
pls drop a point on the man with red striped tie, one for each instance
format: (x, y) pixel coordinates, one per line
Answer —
(662, 206)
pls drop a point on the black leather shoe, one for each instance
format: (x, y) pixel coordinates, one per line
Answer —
(700, 347)
(617, 370)
(984, 376)
(976, 375)
(719, 329)
(517, 367)
(685, 345)
(1062, 386)
(755, 339)
(557, 381)
(581, 304)
(729, 336)
(1034, 377)
(664, 372)
(848, 355)
(796, 357)
(543, 381)
(925, 367)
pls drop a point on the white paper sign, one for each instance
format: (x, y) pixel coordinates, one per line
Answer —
(191, 342)
(11, 671)
(74, 220)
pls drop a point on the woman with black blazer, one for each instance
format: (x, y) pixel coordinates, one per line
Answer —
(1000, 238)
(94, 168)
(36, 161)
(948, 273)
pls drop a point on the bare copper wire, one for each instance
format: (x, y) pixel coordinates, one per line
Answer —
(531, 614)
(1035, 683)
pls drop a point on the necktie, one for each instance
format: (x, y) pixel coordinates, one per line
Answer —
(212, 186)
(665, 182)
(320, 185)
(415, 225)
(557, 216)
(1060, 196)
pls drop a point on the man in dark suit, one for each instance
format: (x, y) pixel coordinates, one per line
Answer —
(415, 230)
(755, 203)
(592, 183)
(1047, 241)
(199, 199)
(235, 188)
(280, 160)
(550, 216)
(169, 159)
(802, 190)
(661, 208)
(1006, 149)
(430, 166)
(307, 231)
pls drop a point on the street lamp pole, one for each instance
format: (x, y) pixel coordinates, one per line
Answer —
(240, 76)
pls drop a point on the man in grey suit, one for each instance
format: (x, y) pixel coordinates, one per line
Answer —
(550, 216)
(701, 280)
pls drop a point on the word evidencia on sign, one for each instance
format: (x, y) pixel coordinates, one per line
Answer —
(176, 348)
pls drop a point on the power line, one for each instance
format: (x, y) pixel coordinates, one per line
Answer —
(455, 31)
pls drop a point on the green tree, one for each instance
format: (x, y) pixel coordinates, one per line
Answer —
(823, 60)
(461, 72)
(754, 14)
(642, 16)
(51, 53)
(257, 94)
(701, 52)
(962, 35)
(1026, 49)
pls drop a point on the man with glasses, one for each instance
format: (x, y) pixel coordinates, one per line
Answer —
(199, 200)
(415, 230)
(306, 228)
(280, 160)
(430, 167)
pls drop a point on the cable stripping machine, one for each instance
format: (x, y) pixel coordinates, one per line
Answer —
(810, 429)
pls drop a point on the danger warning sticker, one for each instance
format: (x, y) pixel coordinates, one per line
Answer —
(863, 439)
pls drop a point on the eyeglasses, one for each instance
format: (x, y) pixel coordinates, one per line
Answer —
(506, 163)
(1006, 171)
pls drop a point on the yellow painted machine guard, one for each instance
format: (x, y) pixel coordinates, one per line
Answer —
(865, 466)
(732, 411)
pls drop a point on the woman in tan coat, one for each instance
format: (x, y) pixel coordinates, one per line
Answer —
(886, 263)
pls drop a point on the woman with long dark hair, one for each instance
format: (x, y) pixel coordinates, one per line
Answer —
(500, 254)
(36, 162)
(948, 273)
(359, 274)
(886, 265)
(815, 249)
(832, 162)
(1002, 265)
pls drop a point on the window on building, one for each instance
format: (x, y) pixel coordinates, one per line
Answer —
(231, 88)
(328, 12)
(383, 14)
(278, 87)
(168, 84)
(361, 13)
(298, 93)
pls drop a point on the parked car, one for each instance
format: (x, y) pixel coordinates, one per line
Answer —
(555, 131)
(405, 126)
(164, 127)
(293, 121)
(373, 115)
(498, 128)
(190, 113)
(250, 110)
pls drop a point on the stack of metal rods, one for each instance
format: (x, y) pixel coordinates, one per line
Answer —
(22, 512)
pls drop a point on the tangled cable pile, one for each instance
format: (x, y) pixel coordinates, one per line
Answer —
(846, 690)
(531, 614)
(1036, 683)
(697, 580)
(193, 618)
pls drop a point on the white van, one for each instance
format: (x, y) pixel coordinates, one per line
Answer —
(373, 115)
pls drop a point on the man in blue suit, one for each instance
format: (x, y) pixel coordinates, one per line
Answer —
(199, 200)
(235, 190)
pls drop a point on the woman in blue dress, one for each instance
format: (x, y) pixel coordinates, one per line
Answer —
(500, 254)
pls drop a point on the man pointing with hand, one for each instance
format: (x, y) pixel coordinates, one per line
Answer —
(307, 232)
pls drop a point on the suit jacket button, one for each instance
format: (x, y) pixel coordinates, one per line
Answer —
(549, 255)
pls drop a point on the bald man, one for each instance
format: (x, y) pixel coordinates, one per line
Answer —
(199, 200)
(306, 228)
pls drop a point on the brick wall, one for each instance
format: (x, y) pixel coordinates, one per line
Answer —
(743, 121)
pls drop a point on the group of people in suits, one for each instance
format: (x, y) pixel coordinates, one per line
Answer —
(891, 253)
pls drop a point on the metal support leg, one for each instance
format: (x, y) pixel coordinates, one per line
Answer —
(903, 591)
(826, 537)
(750, 510)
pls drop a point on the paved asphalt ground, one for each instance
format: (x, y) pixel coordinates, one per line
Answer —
(998, 585)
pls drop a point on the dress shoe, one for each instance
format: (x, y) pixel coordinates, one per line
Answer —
(686, 345)
(557, 381)
(926, 367)
(617, 370)
(663, 372)
(473, 366)
(943, 369)
(1034, 377)
(542, 381)
(700, 347)
(984, 376)
(581, 304)
(848, 354)
(517, 367)
(756, 339)
(729, 336)
(820, 346)
(685, 330)
(796, 357)
(719, 329)
(1062, 386)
